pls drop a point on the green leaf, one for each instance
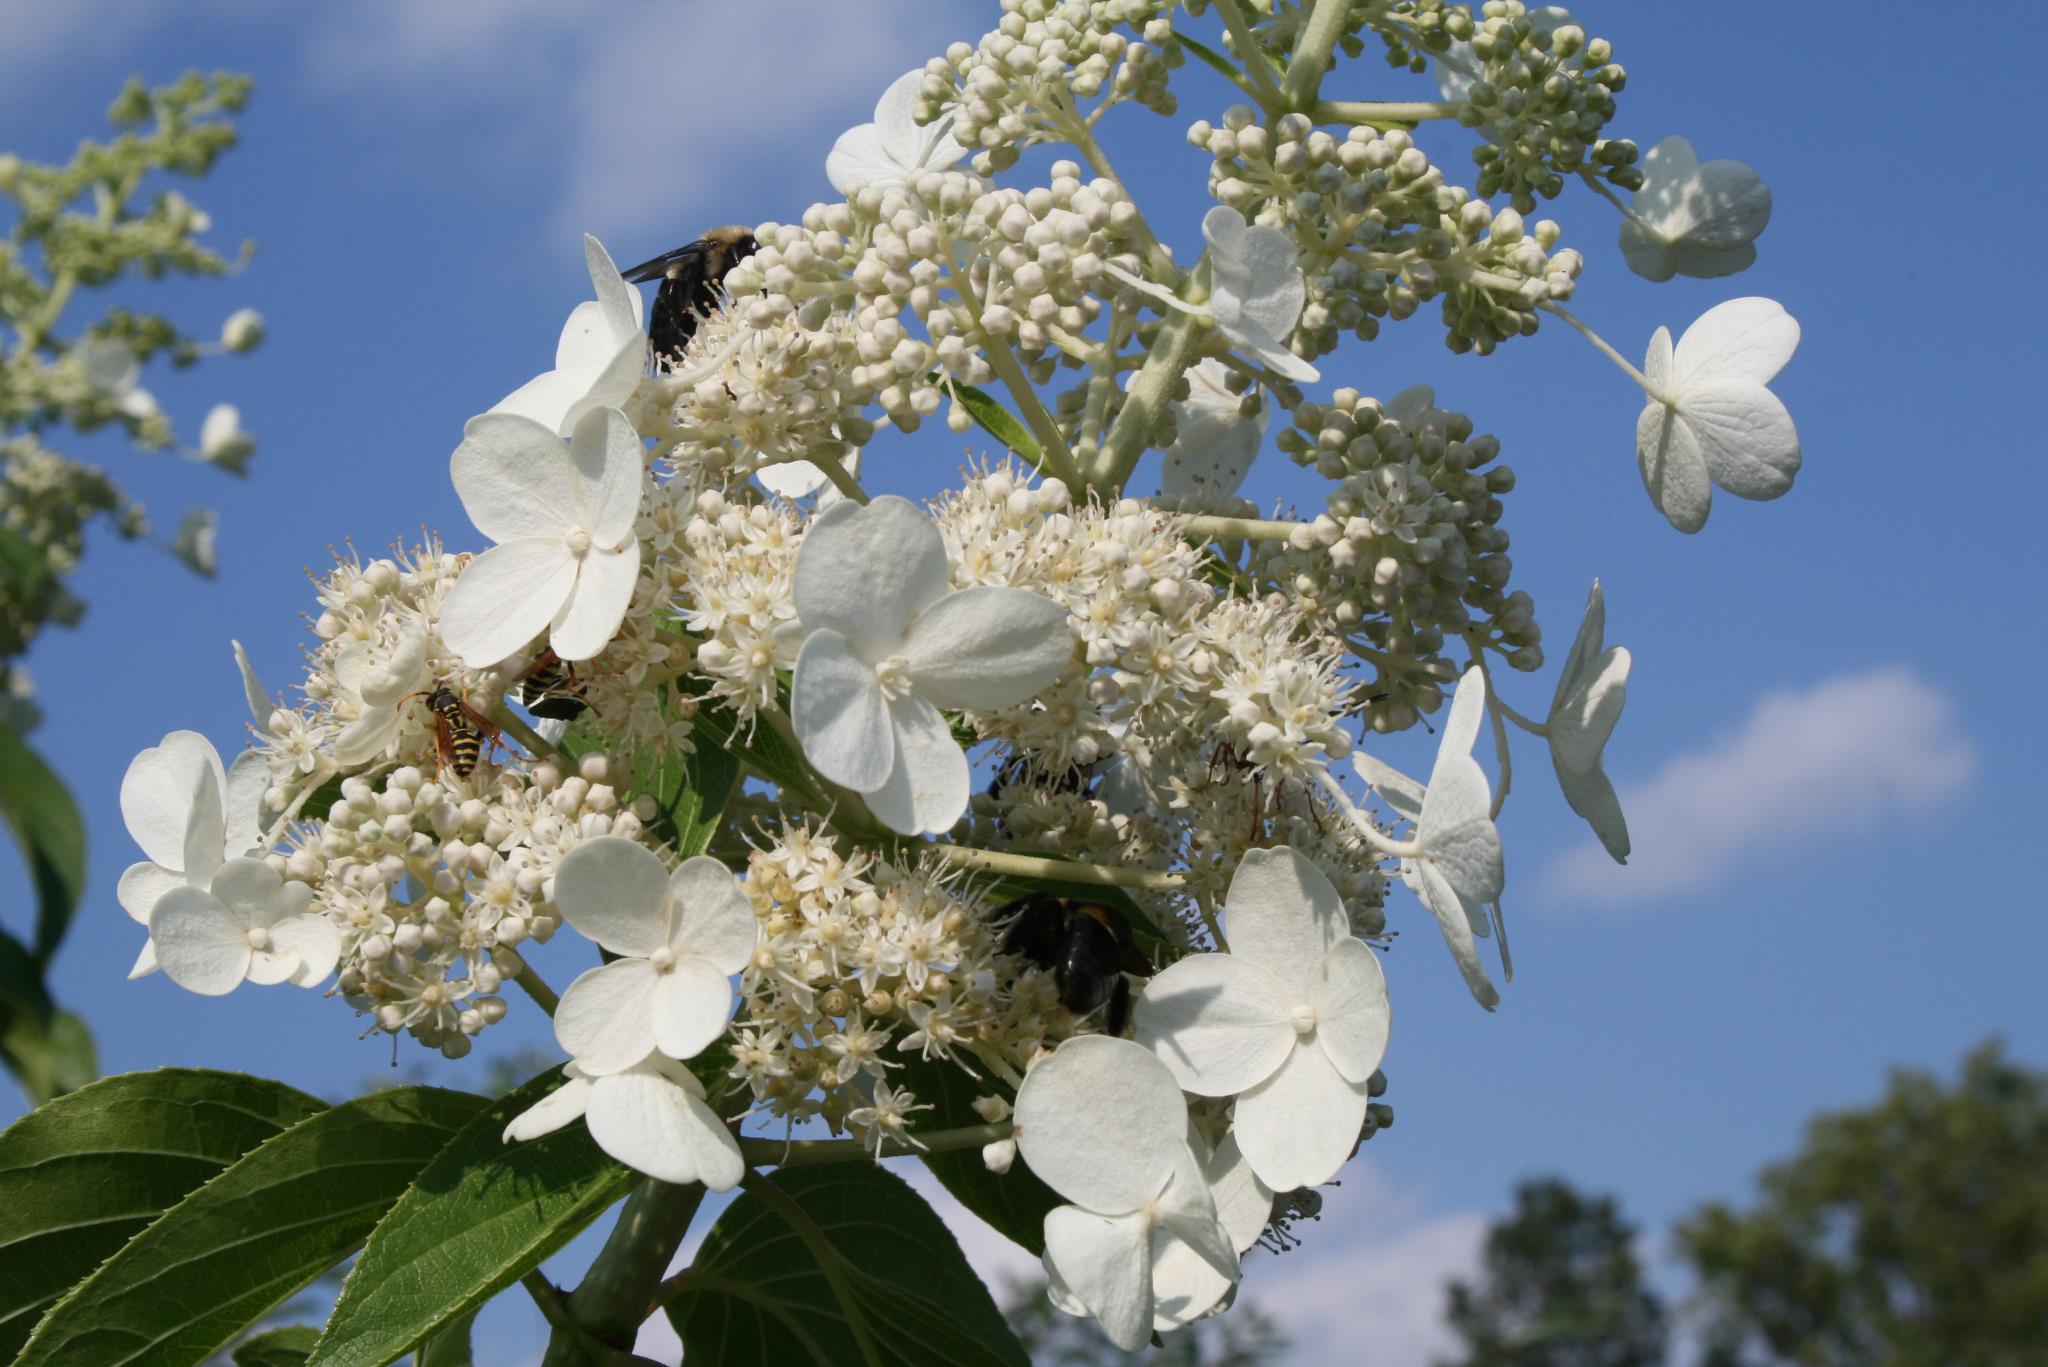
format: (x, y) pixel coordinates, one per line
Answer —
(23, 567)
(242, 1244)
(762, 748)
(21, 981)
(755, 1297)
(1211, 58)
(82, 1175)
(39, 809)
(481, 1216)
(48, 1057)
(691, 792)
(999, 422)
(287, 1347)
(448, 1348)
(1014, 1203)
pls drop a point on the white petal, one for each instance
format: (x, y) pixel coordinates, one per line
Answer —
(367, 737)
(1468, 710)
(1591, 795)
(1455, 919)
(260, 705)
(145, 962)
(1729, 206)
(1186, 1211)
(506, 597)
(987, 647)
(556, 398)
(1243, 1202)
(1582, 720)
(618, 303)
(1106, 1261)
(1585, 645)
(142, 884)
(1742, 339)
(715, 921)
(315, 941)
(1457, 833)
(1646, 253)
(791, 479)
(1674, 472)
(841, 719)
(269, 967)
(1212, 451)
(611, 470)
(652, 1124)
(1297, 1127)
(158, 792)
(1185, 1285)
(560, 1107)
(1395, 788)
(1745, 436)
(250, 891)
(928, 787)
(866, 571)
(1711, 263)
(1219, 1021)
(1281, 913)
(197, 945)
(606, 1018)
(596, 605)
(400, 675)
(692, 1003)
(248, 780)
(1101, 1122)
(858, 158)
(514, 478)
(615, 891)
(1353, 1016)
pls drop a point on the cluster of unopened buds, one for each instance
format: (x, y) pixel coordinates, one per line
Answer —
(709, 704)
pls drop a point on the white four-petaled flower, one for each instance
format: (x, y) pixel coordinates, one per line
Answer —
(1214, 443)
(599, 359)
(383, 689)
(247, 923)
(1457, 869)
(652, 1117)
(1141, 1247)
(1256, 289)
(1292, 1021)
(893, 150)
(1710, 417)
(1590, 693)
(189, 815)
(1693, 219)
(888, 643)
(680, 936)
(567, 558)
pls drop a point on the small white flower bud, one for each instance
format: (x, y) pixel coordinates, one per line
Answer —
(243, 330)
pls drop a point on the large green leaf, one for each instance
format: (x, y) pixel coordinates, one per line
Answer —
(449, 1347)
(287, 1347)
(480, 1217)
(755, 1296)
(82, 1175)
(1012, 1203)
(273, 1221)
(760, 747)
(39, 810)
(999, 422)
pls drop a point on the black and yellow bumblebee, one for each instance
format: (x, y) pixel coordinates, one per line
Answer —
(549, 688)
(1087, 948)
(460, 731)
(692, 280)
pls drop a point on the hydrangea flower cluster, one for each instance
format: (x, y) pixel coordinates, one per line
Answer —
(1063, 788)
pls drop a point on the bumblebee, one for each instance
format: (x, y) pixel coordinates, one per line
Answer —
(460, 731)
(1087, 948)
(549, 688)
(692, 278)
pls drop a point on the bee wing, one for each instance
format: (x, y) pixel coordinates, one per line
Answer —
(663, 266)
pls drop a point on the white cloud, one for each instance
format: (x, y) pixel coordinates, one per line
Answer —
(631, 128)
(1804, 764)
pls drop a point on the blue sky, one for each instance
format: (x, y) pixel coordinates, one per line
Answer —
(1839, 864)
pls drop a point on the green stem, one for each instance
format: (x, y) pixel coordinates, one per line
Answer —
(1256, 66)
(792, 1153)
(612, 1301)
(841, 477)
(828, 1258)
(1036, 866)
(1382, 113)
(543, 996)
(1173, 351)
(1239, 528)
(1312, 52)
(535, 743)
(1600, 344)
(1052, 444)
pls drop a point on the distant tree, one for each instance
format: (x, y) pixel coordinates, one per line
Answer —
(1559, 1287)
(1246, 1337)
(1913, 1233)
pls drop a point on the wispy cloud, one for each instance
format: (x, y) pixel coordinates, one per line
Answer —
(634, 124)
(1804, 764)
